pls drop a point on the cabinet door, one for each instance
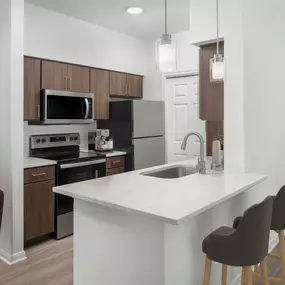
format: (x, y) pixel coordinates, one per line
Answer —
(211, 94)
(118, 84)
(38, 209)
(101, 88)
(134, 86)
(32, 88)
(54, 75)
(114, 171)
(78, 79)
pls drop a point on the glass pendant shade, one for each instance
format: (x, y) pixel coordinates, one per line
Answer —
(166, 60)
(217, 68)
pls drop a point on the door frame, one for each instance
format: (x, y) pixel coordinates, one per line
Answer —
(171, 75)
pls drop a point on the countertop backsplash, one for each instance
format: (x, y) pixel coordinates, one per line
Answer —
(57, 129)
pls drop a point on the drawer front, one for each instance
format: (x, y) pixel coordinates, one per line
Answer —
(117, 161)
(114, 171)
(38, 174)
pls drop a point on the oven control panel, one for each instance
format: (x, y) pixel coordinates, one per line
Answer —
(45, 141)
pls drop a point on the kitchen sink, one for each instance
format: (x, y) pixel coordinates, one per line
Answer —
(172, 172)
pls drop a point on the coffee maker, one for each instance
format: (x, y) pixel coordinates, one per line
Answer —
(100, 140)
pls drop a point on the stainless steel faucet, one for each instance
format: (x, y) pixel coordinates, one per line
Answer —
(201, 164)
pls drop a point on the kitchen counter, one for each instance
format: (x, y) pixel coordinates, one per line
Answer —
(148, 230)
(31, 162)
(170, 200)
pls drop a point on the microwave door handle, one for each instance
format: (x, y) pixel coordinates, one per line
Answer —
(87, 108)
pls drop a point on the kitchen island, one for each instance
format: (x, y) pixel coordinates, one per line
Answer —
(132, 229)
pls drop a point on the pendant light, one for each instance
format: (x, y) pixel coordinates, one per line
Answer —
(166, 50)
(217, 63)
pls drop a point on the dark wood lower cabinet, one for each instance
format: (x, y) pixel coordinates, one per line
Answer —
(38, 209)
(115, 165)
(114, 171)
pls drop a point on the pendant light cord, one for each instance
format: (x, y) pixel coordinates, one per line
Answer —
(218, 48)
(166, 17)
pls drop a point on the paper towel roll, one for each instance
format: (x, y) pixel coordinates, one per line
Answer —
(216, 152)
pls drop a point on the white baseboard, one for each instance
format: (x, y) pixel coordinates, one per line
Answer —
(12, 259)
(272, 244)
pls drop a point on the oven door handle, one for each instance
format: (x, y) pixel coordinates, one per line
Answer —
(87, 108)
(84, 163)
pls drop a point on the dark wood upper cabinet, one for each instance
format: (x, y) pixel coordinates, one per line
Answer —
(211, 94)
(118, 84)
(78, 79)
(62, 76)
(54, 75)
(32, 88)
(38, 209)
(125, 85)
(134, 83)
(99, 85)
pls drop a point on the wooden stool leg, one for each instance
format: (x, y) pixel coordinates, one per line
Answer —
(207, 274)
(248, 275)
(255, 268)
(282, 254)
(224, 274)
(242, 277)
(264, 272)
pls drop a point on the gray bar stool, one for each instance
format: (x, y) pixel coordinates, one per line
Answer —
(244, 247)
(277, 225)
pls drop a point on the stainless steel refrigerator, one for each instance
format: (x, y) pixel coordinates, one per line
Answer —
(138, 127)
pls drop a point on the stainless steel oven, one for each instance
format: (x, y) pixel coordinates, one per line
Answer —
(64, 107)
(72, 166)
(71, 173)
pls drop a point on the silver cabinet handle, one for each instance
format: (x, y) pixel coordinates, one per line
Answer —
(38, 174)
(84, 163)
(65, 83)
(38, 109)
(126, 89)
(116, 161)
(70, 83)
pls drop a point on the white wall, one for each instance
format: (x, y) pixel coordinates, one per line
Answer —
(55, 36)
(11, 117)
(253, 88)
(203, 20)
(187, 54)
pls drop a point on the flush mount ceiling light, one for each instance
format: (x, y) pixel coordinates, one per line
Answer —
(166, 50)
(134, 10)
(217, 63)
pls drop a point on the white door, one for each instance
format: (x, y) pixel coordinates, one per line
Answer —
(182, 117)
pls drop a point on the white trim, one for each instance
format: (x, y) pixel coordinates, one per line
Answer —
(12, 259)
(181, 73)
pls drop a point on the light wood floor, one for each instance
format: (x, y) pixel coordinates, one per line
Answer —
(49, 263)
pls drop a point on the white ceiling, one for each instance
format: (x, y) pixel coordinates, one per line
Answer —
(111, 14)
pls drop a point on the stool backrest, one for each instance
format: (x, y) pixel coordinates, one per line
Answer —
(1, 206)
(278, 213)
(254, 231)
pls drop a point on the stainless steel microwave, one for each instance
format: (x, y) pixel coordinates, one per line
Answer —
(64, 107)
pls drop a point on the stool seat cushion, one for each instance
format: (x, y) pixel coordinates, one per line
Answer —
(222, 231)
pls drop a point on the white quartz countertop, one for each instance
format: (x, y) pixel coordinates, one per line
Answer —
(31, 162)
(171, 200)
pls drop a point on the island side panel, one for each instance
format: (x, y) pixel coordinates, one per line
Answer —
(112, 247)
